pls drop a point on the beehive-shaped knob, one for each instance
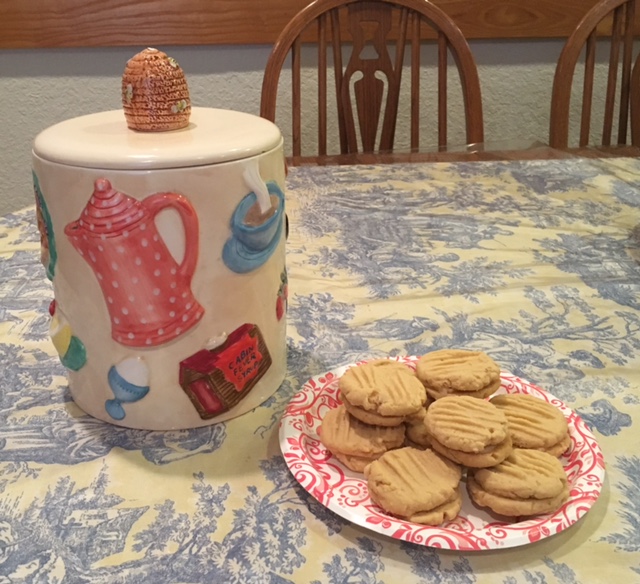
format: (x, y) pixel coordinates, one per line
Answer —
(155, 95)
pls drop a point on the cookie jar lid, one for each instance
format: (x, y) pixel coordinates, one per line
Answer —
(103, 140)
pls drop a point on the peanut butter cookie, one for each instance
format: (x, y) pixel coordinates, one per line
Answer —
(458, 372)
(382, 388)
(415, 484)
(533, 422)
(342, 434)
(527, 482)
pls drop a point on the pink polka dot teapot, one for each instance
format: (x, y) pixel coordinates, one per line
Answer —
(118, 238)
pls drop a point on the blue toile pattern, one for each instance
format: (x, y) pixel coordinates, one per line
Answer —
(536, 263)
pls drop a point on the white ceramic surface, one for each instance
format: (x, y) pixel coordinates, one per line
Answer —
(133, 227)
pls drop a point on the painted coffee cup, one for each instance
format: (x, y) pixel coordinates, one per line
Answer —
(257, 232)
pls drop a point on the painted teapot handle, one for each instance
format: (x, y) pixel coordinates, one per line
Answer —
(160, 202)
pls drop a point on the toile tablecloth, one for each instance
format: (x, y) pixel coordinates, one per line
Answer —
(534, 262)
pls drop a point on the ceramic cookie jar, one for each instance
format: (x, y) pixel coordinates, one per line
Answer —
(163, 232)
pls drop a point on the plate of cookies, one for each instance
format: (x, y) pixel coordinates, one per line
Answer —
(444, 450)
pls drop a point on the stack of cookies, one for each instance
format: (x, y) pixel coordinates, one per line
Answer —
(376, 397)
(508, 445)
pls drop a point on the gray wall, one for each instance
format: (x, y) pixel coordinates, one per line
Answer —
(41, 87)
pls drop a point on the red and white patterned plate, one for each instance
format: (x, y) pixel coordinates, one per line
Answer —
(345, 492)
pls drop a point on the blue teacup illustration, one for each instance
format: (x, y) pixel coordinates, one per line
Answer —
(129, 382)
(253, 229)
(255, 236)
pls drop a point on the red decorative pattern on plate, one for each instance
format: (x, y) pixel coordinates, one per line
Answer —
(345, 492)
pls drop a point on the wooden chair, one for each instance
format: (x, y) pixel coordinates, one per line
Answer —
(621, 14)
(634, 97)
(368, 86)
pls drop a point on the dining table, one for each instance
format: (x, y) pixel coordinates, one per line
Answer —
(535, 262)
